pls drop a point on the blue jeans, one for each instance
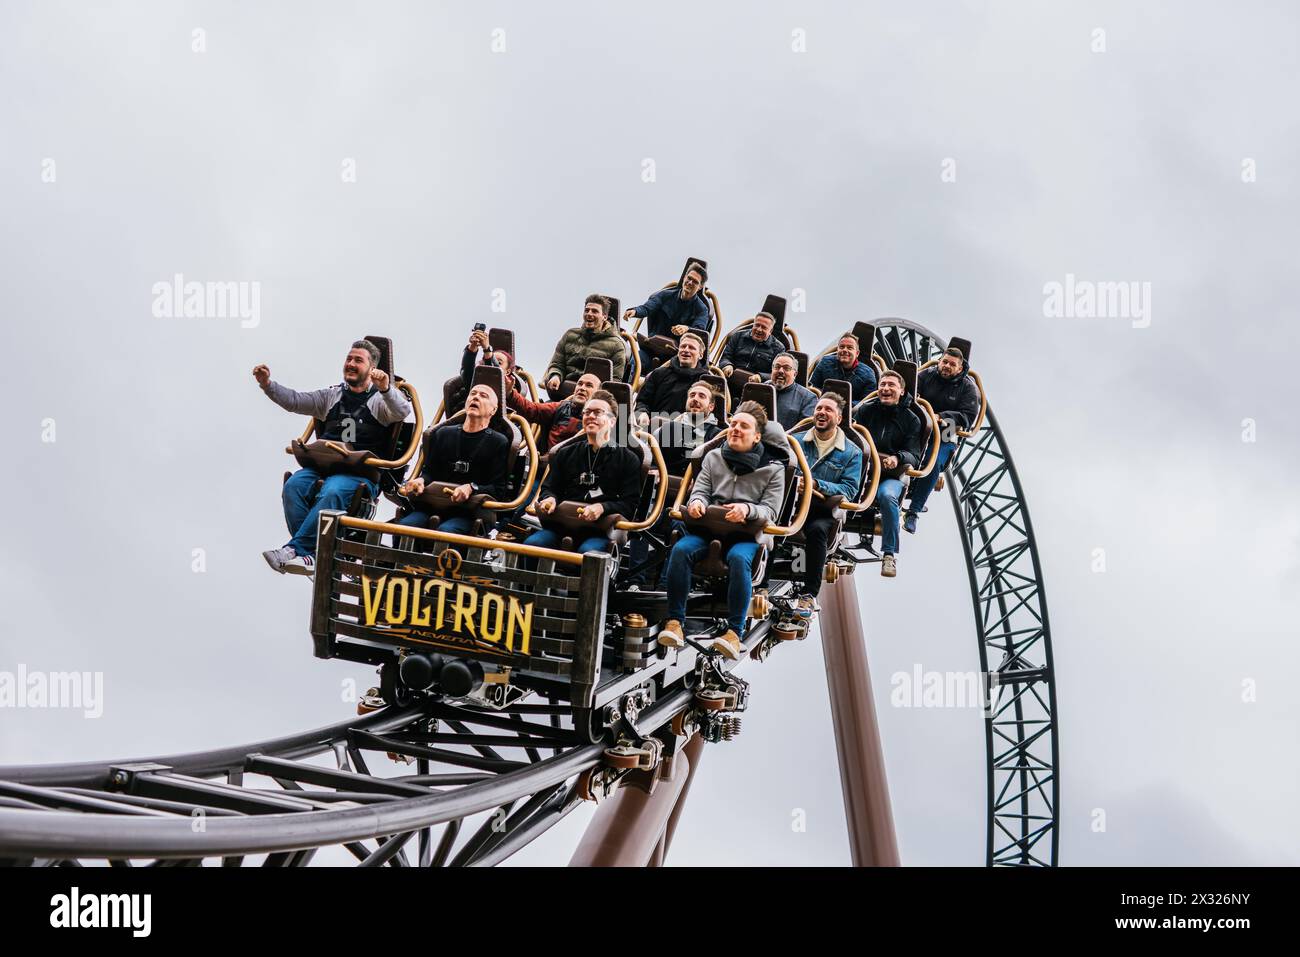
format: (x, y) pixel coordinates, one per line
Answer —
(740, 578)
(545, 538)
(922, 487)
(458, 524)
(887, 496)
(300, 511)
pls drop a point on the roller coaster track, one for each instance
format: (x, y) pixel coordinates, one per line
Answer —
(476, 784)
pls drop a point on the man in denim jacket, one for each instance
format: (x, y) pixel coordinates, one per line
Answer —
(836, 465)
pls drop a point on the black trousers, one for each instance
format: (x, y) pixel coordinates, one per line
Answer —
(817, 535)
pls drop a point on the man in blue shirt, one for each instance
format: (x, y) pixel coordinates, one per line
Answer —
(844, 364)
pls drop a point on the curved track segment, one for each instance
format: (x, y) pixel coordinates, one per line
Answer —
(1012, 628)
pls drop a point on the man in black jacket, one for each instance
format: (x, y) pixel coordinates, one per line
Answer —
(955, 398)
(751, 350)
(897, 431)
(604, 477)
(664, 390)
(470, 453)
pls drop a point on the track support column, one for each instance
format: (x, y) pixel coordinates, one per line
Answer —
(857, 734)
(629, 825)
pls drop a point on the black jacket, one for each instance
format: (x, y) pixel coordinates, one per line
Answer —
(896, 430)
(743, 351)
(680, 436)
(664, 390)
(957, 398)
(618, 476)
(487, 459)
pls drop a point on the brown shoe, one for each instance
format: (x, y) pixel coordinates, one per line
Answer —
(670, 636)
(729, 645)
(888, 567)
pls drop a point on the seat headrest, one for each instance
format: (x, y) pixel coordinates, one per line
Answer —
(842, 388)
(764, 393)
(907, 369)
(503, 340)
(602, 367)
(385, 346)
(774, 305)
(494, 377)
(801, 373)
(615, 310)
(865, 333)
(621, 391)
(962, 344)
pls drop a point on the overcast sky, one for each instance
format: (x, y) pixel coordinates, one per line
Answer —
(380, 169)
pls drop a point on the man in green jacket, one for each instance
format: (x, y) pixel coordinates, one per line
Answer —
(595, 337)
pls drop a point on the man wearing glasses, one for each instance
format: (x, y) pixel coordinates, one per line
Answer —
(603, 477)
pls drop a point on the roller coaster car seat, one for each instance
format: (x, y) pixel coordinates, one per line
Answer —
(435, 498)
(602, 367)
(454, 389)
(764, 393)
(719, 385)
(716, 529)
(663, 348)
(328, 458)
(833, 504)
(802, 371)
(567, 518)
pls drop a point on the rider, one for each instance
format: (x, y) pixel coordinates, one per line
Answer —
(748, 478)
(664, 391)
(604, 477)
(358, 411)
(469, 453)
(595, 337)
(557, 420)
(751, 350)
(955, 398)
(794, 403)
(671, 311)
(836, 465)
(897, 432)
(844, 364)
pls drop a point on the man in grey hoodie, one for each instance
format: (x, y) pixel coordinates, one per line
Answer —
(748, 478)
(357, 411)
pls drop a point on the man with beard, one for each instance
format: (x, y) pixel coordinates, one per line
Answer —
(897, 432)
(469, 453)
(955, 398)
(677, 438)
(747, 477)
(751, 350)
(664, 390)
(604, 477)
(794, 403)
(557, 420)
(844, 364)
(836, 465)
(358, 411)
(595, 337)
(671, 311)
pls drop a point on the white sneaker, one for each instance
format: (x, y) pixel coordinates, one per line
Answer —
(276, 557)
(301, 565)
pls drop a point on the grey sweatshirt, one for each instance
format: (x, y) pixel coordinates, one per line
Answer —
(762, 489)
(387, 407)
